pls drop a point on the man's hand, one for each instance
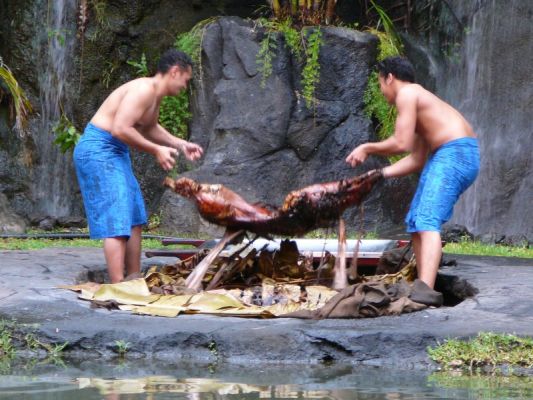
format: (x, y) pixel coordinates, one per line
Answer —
(165, 156)
(192, 151)
(358, 156)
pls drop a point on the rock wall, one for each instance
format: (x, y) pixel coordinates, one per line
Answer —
(261, 142)
(41, 43)
(478, 57)
(265, 142)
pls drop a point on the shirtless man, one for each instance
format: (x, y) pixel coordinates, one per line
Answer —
(111, 195)
(441, 142)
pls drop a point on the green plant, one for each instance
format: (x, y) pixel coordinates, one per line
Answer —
(56, 350)
(122, 347)
(293, 37)
(388, 26)
(311, 71)
(99, 7)
(487, 349)
(11, 332)
(174, 114)
(99, 11)
(107, 73)
(31, 341)
(20, 106)
(297, 44)
(212, 346)
(154, 221)
(141, 66)
(6, 346)
(34, 244)
(496, 250)
(265, 55)
(66, 134)
(59, 35)
(191, 42)
(376, 106)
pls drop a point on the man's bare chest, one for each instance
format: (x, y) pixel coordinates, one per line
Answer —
(148, 119)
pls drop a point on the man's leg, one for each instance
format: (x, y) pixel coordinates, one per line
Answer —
(415, 238)
(133, 251)
(114, 252)
(428, 252)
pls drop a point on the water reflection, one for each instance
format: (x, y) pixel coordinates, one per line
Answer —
(228, 382)
(202, 389)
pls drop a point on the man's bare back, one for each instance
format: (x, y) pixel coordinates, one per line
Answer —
(436, 121)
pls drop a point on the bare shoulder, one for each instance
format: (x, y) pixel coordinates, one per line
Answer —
(142, 87)
(408, 96)
(410, 92)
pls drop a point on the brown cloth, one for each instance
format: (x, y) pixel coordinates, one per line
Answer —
(375, 299)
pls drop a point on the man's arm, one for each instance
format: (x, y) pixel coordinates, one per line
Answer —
(404, 132)
(160, 135)
(412, 163)
(130, 111)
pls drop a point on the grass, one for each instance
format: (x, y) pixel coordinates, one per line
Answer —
(479, 249)
(36, 244)
(465, 247)
(12, 339)
(485, 350)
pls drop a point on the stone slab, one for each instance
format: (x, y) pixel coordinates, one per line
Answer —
(29, 294)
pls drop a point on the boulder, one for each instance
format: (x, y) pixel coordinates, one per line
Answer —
(263, 142)
(10, 222)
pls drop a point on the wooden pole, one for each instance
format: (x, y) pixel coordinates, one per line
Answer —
(194, 280)
(340, 278)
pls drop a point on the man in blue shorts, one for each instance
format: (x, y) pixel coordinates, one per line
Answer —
(441, 142)
(111, 195)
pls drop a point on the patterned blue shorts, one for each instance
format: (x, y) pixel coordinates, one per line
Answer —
(449, 171)
(111, 194)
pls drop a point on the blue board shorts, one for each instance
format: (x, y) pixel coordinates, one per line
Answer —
(449, 171)
(111, 195)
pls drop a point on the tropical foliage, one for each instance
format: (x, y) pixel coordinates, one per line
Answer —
(20, 105)
(376, 106)
(299, 43)
(66, 134)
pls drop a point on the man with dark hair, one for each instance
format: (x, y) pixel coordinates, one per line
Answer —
(440, 141)
(111, 195)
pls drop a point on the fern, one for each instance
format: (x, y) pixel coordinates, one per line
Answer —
(265, 56)
(141, 67)
(376, 106)
(295, 44)
(191, 42)
(293, 38)
(311, 71)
